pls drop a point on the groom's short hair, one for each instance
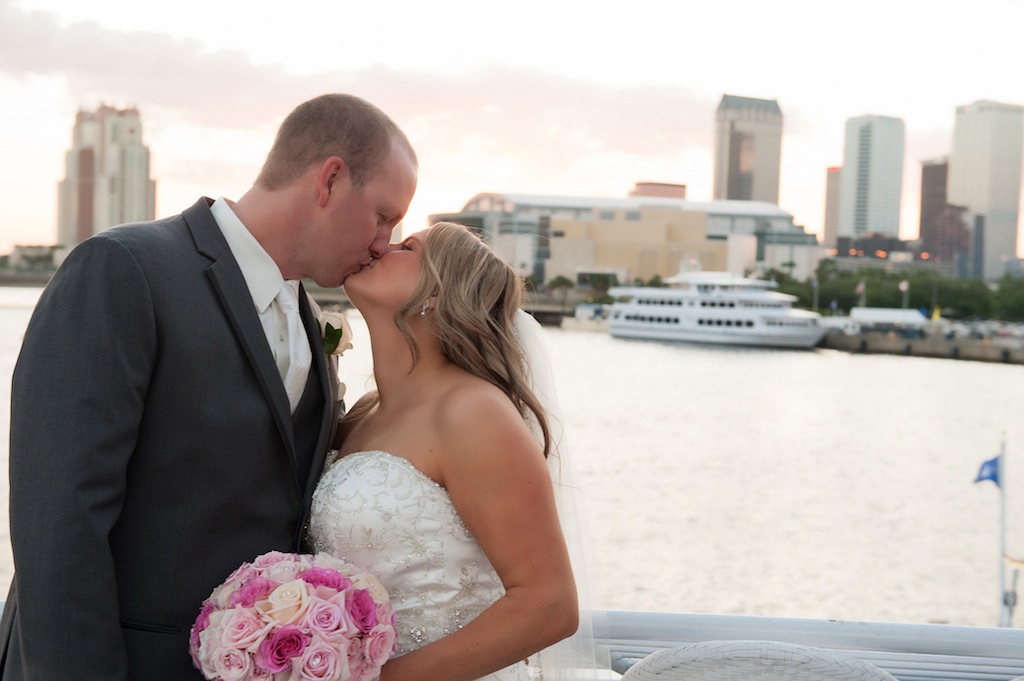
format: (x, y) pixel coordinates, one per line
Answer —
(332, 125)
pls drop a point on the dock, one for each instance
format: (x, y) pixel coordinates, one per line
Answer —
(972, 349)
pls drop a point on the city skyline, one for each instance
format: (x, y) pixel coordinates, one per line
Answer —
(490, 111)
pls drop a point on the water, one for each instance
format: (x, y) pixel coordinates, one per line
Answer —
(741, 481)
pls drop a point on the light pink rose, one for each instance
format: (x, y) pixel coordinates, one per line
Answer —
(242, 573)
(379, 644)
(328, 619)
(243, 629)
(209, 640)
(322, 662)
(359, 669)
(362, 610)
(282, 567)
(232, 664)
(271, 558)
(385, 614)
(276, 652)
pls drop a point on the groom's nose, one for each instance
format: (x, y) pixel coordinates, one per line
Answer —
(381, 243)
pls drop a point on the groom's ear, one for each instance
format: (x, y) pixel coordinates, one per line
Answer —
(333, 174)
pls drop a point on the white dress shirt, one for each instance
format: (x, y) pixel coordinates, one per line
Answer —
(262, 276)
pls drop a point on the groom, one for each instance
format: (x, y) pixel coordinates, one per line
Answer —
(154, 447)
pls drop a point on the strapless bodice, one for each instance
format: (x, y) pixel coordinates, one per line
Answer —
(379, 512)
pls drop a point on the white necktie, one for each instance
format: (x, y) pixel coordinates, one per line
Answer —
(299, 355)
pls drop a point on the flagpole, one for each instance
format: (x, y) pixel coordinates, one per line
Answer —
(1004, 595)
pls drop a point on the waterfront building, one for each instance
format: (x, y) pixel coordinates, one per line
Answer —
(831, 231)
(665, 189)
(872, 177)
(934, 174)
(985, 178)
(107, 179)
(748, 149)
(635, 237)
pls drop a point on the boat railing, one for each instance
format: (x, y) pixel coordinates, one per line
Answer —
(909, 652)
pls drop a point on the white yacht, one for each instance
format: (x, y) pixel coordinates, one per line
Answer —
(714, 307)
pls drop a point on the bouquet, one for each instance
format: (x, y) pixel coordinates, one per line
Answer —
(295, 617)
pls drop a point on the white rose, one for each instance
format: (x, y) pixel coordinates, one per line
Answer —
(287, 603)
(336, 320)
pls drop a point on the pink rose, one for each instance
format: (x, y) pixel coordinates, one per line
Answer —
(271, 558)
(232, 664)
(243, 573)
(322, 662)
(325, 577)
(254, 590)
(359, 669)
(276, 652)
(202, 622)
(379, 645)
(328, 619)
(242, 628)
(362, 610)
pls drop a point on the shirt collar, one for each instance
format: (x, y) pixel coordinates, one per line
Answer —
(261, 273)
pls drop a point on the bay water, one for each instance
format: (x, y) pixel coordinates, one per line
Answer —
(761, 482)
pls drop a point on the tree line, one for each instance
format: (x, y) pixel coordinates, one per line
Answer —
(832, 291)
(837, 292)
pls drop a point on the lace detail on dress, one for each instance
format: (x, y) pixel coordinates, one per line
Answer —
(378, 511)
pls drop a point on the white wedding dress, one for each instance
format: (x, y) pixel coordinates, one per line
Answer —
(377, 511)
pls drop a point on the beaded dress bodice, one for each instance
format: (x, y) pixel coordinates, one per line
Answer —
(379, 512)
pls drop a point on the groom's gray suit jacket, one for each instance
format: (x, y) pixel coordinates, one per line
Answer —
(152, 452)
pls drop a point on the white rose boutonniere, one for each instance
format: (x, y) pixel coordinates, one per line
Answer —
(335, 332)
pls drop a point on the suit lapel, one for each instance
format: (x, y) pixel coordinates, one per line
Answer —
(321, 367)
(231, 289)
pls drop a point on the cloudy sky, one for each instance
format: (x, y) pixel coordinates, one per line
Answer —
(534, 96)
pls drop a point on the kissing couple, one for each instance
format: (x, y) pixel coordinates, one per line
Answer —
(174, 414)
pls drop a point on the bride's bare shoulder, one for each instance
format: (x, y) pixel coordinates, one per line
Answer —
(477, 414)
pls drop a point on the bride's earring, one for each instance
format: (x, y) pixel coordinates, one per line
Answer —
(423, 311)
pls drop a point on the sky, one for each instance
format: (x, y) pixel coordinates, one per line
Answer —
(561, 97)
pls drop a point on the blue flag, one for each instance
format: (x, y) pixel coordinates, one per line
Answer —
(989, 471)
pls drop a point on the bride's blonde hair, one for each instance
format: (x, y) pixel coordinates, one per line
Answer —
(471, 298)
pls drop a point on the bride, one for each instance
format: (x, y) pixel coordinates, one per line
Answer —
(440, 487)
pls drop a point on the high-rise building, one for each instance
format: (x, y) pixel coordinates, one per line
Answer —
(748, 149)
(934, 174)
(984, 178)
(943, 233)
(831, 233)
(106, 175)
(872, 177)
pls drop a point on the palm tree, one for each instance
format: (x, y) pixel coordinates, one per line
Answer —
(563, 284)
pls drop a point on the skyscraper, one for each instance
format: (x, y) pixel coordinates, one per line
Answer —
(942, 231)
(984, 178)
(934, 174)
(832, 176)
(748, 149)
(106, 175)
(872, 177)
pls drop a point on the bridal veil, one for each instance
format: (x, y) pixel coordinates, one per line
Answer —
(578, 656)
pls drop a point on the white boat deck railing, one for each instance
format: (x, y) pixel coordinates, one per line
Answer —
(910, 652)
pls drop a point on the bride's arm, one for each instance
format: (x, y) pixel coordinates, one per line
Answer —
(497, 478)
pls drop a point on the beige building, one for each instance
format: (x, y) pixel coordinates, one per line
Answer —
(655, 243)
(636, 237)
(107, 179)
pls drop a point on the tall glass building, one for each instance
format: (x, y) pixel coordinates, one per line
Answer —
(871, 181)
(984, 178)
